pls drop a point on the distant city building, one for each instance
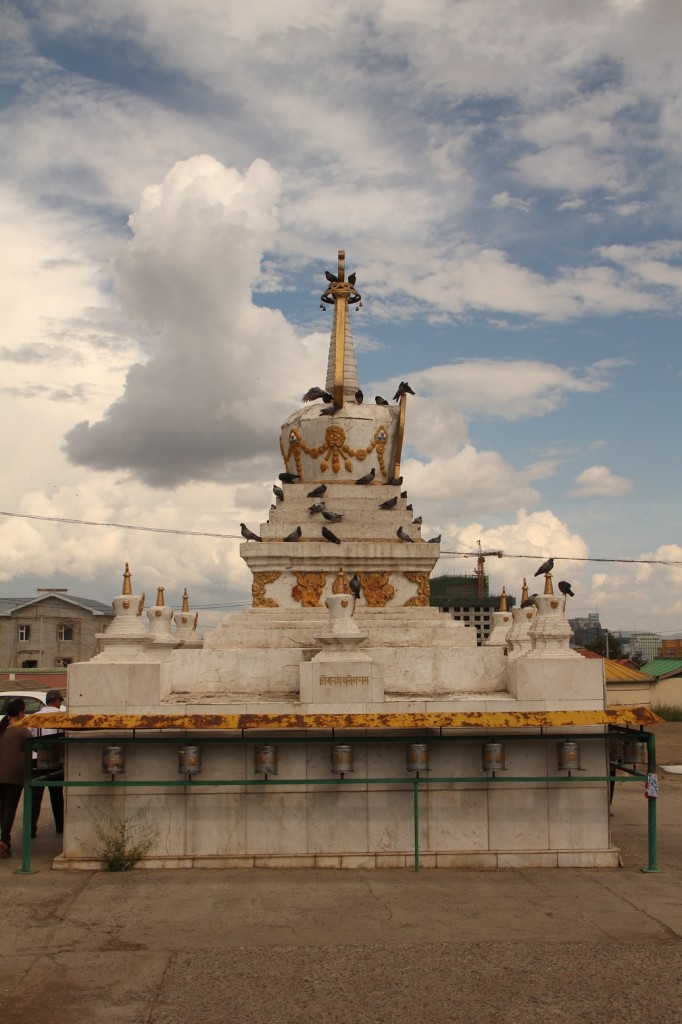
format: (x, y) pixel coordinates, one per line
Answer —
(671, 648)
(51, 630)
(636, 644)
(586, 630)
(467, 599)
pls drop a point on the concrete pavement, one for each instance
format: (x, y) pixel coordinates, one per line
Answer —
(355, 947)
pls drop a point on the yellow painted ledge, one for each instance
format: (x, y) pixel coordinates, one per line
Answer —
(627, 716)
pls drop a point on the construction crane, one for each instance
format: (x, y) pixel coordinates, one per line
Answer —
(480, 556)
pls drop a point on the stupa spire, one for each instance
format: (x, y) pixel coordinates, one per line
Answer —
(342, 371)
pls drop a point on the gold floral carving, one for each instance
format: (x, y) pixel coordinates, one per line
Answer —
(421, 598)
(376, 588)
(334, 450)
(308, 588)
(260, 582)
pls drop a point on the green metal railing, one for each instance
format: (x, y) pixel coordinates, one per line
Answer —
(492, 778)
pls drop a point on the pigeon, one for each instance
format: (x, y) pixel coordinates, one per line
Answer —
(381, 401)
(332, 517)
(391, 503)
(319, 506)
(317, 492)
(400, 533)
(368, 477)
(529, 602)
(359, 397)
(395, 481)
(331, 537)
(354, 584)
(434, 540)
(545, 567)
(409, 508)
(330, 277)
(248, 534)
(288, 478)
(352, 278)
(331, 410)
(417, 521)
(403, 494)
(314, 393)
(278, 492)
(565, 588)
(294, 535)
(403, 389)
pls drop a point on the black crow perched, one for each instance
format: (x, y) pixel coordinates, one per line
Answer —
(317, 492)
(391, 503)
(352, 278)
(368, 477)
(332, 517)
(248, 534)
(409, 508)
(330, 277)
(403, 494)
(319, 506)
(417, 521)
(381, 401)
(434, 540)
(359, 397)
(402, 535)
(565, 588)
(545, 567)
(403, 389)
(278, 492)
(331, 537)
(331, 410)
(354, 584)
(288, 478)
(294, 535)
(314, 393)
(529, 602)
(395, 481)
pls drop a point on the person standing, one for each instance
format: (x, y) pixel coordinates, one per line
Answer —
(54, 703)
(13, 739)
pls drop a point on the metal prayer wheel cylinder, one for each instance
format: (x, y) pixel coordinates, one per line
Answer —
(615, 748)
(189, 760)
(635, 752)
(113, 760)
(48, 760)
(568, 755)
(265, 759)
(341, 758)
(417, 757)
(492, 757)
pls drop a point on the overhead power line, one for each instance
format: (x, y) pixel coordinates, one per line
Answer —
(236, 536)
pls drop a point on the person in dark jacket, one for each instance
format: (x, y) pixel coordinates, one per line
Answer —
(13, 738)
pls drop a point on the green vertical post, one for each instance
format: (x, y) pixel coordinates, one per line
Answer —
(415, 791)
(652, 867)
(25, 868)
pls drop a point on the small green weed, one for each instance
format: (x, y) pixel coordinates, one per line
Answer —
(122, 842)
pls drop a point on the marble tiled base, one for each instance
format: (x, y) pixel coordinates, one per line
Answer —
(472, 861)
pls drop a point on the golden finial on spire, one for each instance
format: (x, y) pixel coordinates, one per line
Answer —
(548, 583)
(503, 600)
(160, 603)
(341, 294)
(185, 601)
(127, 581)
(524, 591)
(341, 584)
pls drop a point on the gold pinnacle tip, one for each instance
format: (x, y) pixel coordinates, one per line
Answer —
(127, 581)
(159, 598)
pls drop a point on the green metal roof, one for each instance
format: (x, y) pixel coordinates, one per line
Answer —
(658, 667)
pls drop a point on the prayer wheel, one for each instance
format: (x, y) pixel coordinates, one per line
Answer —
(493, 759)
(189, 760)
(417, 757)
(341, 758)
(568, 756)
(113, 761)
(265, 759)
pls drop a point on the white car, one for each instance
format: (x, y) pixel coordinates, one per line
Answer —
(33, 699)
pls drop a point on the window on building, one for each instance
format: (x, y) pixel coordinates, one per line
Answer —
(24, 632)
(30, 663)
(63, 662)
(64, 632)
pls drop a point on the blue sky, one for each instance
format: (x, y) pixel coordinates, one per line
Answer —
(504, 176)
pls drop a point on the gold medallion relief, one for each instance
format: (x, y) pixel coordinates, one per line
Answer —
(308, 588)
(376, 588)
